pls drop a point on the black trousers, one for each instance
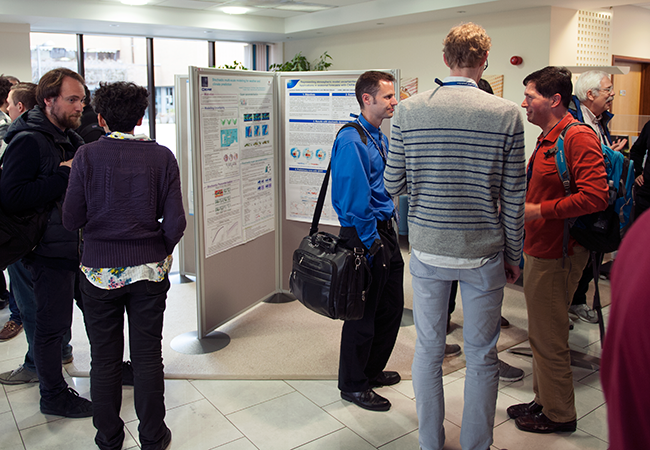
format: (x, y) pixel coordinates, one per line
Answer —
(53, 290)
(144, 302)
(580, 296)
(366, 344)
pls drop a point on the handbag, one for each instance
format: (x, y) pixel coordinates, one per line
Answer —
(327, 277)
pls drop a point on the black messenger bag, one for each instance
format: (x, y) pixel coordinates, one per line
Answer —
(327, 277)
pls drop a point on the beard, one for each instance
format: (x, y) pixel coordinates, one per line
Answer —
(64, 120)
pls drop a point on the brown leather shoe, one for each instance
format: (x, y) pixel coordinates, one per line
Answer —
(539, 423)
(367, 399)
(10, 330)
(523, 409)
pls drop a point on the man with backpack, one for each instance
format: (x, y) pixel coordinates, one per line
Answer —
(551, 272)
(590, 104)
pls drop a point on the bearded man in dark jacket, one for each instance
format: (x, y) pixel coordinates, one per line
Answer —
(41, 145)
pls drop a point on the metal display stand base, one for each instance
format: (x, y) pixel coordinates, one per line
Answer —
(282, 297)
(190, 344)
(178, 278)
(578, 359)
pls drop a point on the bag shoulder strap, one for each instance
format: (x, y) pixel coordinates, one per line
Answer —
(565, 178)
(323, 189)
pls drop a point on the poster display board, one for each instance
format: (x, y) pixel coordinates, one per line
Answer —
(186, 247)
(314, 106)
(314, 110)
(237, 123)
(260, 146)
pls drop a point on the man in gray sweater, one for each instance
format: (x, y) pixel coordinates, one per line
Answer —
(459, 154)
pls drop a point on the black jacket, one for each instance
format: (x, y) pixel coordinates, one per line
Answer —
(89, 130)
(32, 179)
(638, 154)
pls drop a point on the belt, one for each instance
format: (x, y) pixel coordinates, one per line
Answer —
(385, 224)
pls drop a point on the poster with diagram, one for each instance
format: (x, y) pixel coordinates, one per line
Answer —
(236, 135)
(314, 110)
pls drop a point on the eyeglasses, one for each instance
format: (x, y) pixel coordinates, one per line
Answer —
(486, 65)
(609, 90)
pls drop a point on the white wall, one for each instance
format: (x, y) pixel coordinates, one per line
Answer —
(15, 56)
(631, 32)
(564, 43)
(417, 50)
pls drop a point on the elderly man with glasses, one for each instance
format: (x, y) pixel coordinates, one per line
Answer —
(592, 99)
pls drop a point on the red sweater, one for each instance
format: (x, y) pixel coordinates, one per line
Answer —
(624, 368)
(589, 188)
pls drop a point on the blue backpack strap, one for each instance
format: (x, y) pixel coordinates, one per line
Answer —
(565, 178)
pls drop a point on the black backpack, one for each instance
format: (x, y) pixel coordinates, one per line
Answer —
(20, 233)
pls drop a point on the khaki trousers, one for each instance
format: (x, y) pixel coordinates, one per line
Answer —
(549, 290)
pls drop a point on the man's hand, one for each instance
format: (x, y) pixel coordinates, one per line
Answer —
(533, 211)
(618, 145)
(512, 272)
(67, 163)
(639, 180)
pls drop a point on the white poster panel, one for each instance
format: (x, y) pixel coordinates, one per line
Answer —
(236, 128)
(315, 109)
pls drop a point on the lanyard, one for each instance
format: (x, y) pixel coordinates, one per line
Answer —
(455, 83)
(381, 148)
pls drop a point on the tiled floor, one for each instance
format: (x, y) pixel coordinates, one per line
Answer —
(298, 414)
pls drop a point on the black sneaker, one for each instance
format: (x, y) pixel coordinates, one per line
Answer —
(67, 404)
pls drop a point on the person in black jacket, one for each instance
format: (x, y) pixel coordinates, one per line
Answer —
(41, 145)
(641, 171)
(89, 129)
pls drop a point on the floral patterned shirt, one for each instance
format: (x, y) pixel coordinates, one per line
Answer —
(117, 277)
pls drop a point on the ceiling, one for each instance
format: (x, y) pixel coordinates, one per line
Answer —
(266, 21)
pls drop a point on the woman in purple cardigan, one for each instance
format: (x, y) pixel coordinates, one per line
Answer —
(120, 188)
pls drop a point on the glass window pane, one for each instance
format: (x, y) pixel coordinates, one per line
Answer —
(229, 52)
(172, 57)
(51, 50)
(116, 58)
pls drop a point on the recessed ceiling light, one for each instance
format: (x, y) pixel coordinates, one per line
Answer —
(234, 10)
(135, 2)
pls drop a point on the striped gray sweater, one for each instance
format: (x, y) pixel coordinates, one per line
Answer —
(459, 152)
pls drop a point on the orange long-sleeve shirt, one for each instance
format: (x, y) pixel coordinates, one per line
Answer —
(589, 190)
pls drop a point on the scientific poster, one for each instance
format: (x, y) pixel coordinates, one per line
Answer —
(315, 109)
(236, 123)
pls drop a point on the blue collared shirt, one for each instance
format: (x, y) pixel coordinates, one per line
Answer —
(358, 193)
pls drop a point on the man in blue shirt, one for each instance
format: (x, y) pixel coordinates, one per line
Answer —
(365, 213)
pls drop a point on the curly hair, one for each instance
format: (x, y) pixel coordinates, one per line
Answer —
(466, 45)
(552, 80)
(5, 87)
(122, 104)
(49, 85)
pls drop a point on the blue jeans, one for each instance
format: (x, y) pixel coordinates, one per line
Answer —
(482, 295)
(22, 289)
(144, 302)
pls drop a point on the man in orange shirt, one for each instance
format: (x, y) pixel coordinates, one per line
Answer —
(550, 279)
